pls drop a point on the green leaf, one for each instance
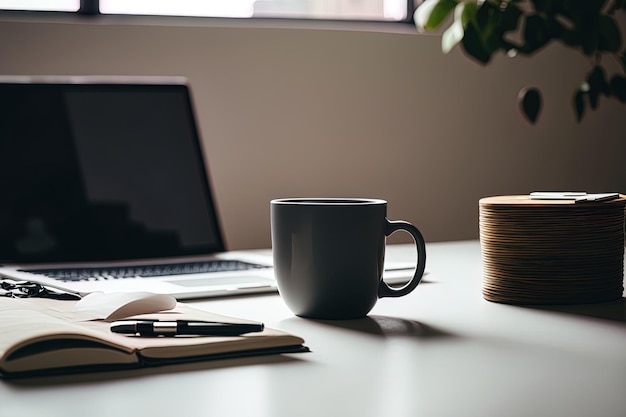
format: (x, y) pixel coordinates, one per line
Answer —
(530, 103)
(555, 28)
(594, 98)
(484, 13)
(536, 33)
(571, 38)
(584, 15)
(452, 36)
(588, 32)
(431, 13)
(579, 104)
(463, 14)
(609, 35)
(474, 45)
(597, 85)
(466, 11)
(482, 36)
(509, 17)
(618, 87)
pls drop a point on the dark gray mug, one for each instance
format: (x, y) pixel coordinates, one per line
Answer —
(329, 254)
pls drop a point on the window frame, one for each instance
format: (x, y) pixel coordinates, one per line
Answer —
(91, 8)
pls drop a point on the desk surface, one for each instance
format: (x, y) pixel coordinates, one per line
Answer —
(440, 351)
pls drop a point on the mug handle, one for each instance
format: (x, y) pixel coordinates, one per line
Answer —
(384, 290)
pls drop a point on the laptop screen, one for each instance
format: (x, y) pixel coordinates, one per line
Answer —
(101, 171)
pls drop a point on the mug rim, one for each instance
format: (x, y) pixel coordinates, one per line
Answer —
(328, 201)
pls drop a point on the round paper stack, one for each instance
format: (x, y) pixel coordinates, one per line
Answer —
(552, 251)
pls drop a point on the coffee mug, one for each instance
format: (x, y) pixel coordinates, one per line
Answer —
(329, 255)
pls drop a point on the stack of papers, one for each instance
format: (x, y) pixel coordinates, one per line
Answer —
(550, 250)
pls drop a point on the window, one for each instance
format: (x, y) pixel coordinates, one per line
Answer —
(364, 10)
(41, 5)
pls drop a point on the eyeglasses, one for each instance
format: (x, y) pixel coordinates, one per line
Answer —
(29, 289)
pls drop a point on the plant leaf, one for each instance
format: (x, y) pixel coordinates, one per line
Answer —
(509, 18)
(452, 36)
(579, 104)
(571, 38)
(488, 18)
(609, 35)
(482, 36)
(618, 86)
(474, 46)
(530, 103)
(463, 13)
(597, 85)
(536, 33)
(466, 11)
(431, 13)
(588, 31)
(422, 14)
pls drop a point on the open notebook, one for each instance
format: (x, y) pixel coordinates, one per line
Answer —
(105, 188)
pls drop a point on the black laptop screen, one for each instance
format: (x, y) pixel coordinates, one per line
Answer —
(101, 172)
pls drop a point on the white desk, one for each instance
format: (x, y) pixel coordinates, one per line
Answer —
(440, 351)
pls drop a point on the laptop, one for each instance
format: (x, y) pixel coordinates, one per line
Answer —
(105, 188)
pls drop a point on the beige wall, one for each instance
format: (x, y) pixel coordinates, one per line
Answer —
(308, 112)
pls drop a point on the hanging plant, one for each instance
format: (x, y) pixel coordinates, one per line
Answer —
(488, 27)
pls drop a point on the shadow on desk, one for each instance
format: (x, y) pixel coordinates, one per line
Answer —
(126, 374)
(385, 326)
(612, 310)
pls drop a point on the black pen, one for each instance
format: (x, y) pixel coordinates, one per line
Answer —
(183, 327)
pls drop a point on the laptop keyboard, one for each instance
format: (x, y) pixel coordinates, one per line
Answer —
(144, 271)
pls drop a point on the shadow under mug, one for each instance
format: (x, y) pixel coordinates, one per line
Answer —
(329, 255)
